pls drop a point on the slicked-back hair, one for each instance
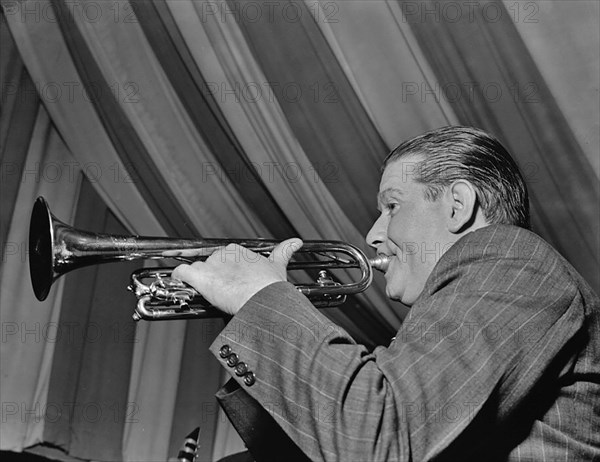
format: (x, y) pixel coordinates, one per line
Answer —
(448, 154)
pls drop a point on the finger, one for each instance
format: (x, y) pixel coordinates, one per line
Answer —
(185, 273)
(283, 252)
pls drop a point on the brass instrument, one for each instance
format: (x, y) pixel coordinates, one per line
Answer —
(56, 248)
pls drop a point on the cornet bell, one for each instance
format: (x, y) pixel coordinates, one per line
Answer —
(41, 264)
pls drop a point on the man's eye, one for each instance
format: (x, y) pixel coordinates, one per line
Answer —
(391, 207)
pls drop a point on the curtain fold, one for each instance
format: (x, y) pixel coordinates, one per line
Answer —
(196, 405)
(379, 54)
(116, 124)
(31, 328)
(319, 104)
(563, 43)
(44, 52)
(496, 85)
(230, 161)
(171, 144)
(20, 105)
(92, 358)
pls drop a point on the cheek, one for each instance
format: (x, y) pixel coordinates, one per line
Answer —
(394, 226)
(399, 232)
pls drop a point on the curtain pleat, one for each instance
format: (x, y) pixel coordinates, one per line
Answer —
(92, 358)
(44, 52)
(172, 142)
(119, 128)
(20, 105)
(166, 41)
(31, 328)
(320, 105)
(153, 390)
(200, 373)
(504, 92)
(379, 54)
(570, 64)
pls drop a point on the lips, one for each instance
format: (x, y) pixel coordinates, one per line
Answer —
(381, 262)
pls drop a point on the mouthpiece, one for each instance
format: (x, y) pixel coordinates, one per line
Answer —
(380, 263)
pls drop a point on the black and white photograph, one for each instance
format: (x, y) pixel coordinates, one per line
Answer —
(300, 230)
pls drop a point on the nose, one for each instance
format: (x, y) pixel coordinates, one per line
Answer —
(378, 232)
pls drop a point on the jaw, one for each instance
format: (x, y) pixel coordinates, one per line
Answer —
(394, 288)
(405, 280)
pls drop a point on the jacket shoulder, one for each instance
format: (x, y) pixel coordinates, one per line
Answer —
(502, 258)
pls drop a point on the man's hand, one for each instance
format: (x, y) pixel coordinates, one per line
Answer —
(233, 274)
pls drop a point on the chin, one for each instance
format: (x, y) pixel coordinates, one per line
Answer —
(392, 294)
(408, 301)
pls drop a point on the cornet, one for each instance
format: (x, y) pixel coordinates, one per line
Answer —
(56, 248)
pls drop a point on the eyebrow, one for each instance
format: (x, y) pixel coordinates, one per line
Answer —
(383, 195)
(388, 192)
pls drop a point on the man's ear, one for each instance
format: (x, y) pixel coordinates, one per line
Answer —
(463, 205)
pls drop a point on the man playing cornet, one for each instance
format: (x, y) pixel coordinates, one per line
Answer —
(498, 358)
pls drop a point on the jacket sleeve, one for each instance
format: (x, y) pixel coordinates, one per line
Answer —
(459, 356)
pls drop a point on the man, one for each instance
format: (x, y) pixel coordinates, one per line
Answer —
(499, 357)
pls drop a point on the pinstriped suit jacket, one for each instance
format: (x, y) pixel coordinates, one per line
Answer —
(498, 359)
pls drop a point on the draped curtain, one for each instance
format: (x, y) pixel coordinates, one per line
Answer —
(191, 118)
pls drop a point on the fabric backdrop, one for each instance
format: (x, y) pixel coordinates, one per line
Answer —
(191, 118)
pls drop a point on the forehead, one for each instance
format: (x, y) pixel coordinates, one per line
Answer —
(400, 174)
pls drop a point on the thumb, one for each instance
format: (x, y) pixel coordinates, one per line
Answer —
(282, 254)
